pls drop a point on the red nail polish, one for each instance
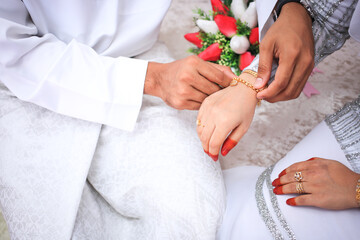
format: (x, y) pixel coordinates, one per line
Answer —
(311, 159)
(227, 146)
(214, 157)
(278, 190)
(276, 182)
(206, 152)
(291, 202)
(282, 173)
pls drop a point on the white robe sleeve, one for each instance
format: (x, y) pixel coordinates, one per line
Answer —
(70, 79)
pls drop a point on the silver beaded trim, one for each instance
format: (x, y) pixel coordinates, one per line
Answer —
(345, 125)
(264, 210)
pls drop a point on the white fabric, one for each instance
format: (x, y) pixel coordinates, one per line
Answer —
(354, 29)
(71, 56)
(63, 178)
(242, 219)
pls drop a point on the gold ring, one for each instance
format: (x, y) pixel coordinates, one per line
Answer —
(198, 122)
(300, 188)
(298, 176)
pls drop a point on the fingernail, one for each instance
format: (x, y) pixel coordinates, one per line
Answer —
(227, 146)
(258, 83)
(206, 152)
(311, 159)
(282, 173)
(214, 157)
(276, 182)
(291, 202)
(278, 190)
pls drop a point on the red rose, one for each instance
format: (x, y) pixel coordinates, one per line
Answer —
(245, 60)
(226, 25)
(219, 7)
(254, 36)
(211, 53)
(194, 38)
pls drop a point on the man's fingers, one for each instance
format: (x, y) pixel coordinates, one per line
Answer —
(265, 64)
(197, 96)
(296, 84)
(282, 77)
(205, 86)
(214, 74)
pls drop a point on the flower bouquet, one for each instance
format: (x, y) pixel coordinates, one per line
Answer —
(228, 34)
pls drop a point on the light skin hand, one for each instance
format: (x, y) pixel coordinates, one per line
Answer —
(327, 183)
(184, 84)
(290, 41)
(225, 116)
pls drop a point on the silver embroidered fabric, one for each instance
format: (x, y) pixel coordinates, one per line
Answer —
(264, 209)
(345, 125)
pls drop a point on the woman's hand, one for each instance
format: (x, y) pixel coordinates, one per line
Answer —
(229, 110)
(326, 183)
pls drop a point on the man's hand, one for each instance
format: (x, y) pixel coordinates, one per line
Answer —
(184, 84)
(290, 40)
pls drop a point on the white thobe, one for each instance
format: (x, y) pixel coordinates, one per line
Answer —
(73, 57)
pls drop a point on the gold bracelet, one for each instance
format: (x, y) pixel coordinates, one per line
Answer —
(358, 192)
(236, 80)
(251, 72)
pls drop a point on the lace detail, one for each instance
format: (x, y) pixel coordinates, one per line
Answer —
(81, 180)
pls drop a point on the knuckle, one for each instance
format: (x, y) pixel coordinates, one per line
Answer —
(263, 68)
(281, 84)
(301, 201)
(214, 145)
(178, 104)
(203, 138)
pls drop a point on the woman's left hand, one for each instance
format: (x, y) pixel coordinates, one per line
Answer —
(226, 114)
(325, 184)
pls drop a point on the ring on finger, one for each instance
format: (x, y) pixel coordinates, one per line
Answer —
(298, 176)
(300, 188)
(198, 122)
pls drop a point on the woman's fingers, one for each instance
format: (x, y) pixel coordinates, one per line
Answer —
(232, 140)
(295, 187)
(296, 167)
(217, 139)
(206, 133)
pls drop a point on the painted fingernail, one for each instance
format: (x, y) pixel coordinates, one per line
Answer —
(214, 157)
(282, 173)
(206, 152)
(278, 190)
(227, 146)
(276, 182)
(291, 202)
(258, 83)
(311, 159)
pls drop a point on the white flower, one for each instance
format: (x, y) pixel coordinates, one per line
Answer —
(239, 44)
(207, 26)
(238, 8)
(250, 16)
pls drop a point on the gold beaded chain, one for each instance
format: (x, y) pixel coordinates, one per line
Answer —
(251, 72)
(236, 80)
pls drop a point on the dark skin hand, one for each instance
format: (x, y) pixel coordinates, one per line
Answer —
(185, 83)
(290, 41)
